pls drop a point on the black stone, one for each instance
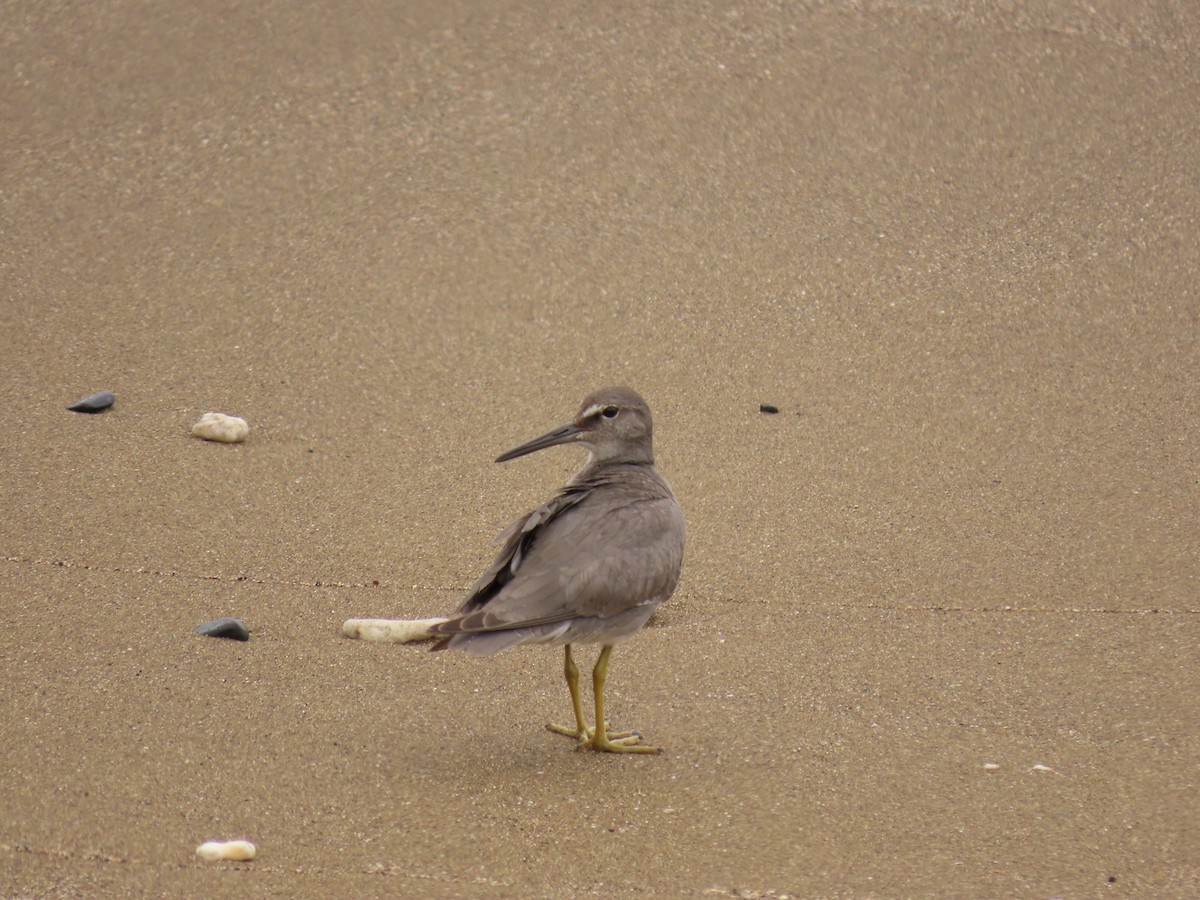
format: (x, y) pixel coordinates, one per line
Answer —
(94, 403)
(227, 627)
(768, 408)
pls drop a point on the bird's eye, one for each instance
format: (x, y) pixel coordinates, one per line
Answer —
(610, 412)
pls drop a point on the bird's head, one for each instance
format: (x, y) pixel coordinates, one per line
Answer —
(614, 424)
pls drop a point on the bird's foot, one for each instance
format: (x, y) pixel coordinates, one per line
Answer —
(586, 735)
(610, 742)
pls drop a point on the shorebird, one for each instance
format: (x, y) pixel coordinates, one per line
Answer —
(588, 566)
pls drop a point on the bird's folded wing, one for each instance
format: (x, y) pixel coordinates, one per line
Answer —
(596, 560)
(514, 539)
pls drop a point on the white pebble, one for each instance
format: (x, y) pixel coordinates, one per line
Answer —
(215, 426)
(991, 766)
(393, 631)
(214, 850)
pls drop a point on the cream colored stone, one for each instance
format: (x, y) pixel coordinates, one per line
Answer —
(393, 631)
(214, 426)
(214, 850)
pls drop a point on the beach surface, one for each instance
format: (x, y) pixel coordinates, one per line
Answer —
(938, 630)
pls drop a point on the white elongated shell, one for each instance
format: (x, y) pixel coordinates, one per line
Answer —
(214, 850)
(214, 426)
(390, 631)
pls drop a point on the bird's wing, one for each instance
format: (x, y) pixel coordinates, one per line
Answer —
(514, 541)
(602, 555)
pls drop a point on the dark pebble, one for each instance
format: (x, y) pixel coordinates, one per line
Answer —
(768, 408)
(94, 403)
(227, 627)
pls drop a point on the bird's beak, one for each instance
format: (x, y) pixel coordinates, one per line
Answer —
(564, 435)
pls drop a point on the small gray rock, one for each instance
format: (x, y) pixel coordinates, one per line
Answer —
(227, 627)
(94, 403)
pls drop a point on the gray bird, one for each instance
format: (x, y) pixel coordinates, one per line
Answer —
(588, 566)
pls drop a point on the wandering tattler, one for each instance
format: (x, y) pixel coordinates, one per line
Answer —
(588, 566)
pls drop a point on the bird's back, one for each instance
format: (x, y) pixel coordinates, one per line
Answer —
(608, 543)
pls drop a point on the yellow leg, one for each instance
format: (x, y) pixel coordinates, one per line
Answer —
(581, 731)
(601, 740)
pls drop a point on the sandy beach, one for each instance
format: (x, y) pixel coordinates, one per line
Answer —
(938, 630)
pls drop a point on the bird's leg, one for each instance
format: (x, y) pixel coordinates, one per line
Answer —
(601, 739)
(581, 731)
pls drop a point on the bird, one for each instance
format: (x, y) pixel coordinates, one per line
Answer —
(588, 566)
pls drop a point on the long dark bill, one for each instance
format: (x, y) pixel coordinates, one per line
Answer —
(563, 435)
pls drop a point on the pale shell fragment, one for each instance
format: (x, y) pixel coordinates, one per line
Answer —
(391, 631)
(214, 850)
(214, 426)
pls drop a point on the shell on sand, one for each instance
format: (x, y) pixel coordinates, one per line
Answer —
(390, 631)
(214, 426)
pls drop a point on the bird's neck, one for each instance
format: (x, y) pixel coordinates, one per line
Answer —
(596, 466)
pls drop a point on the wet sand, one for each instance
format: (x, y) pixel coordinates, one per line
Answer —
(937, 633)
